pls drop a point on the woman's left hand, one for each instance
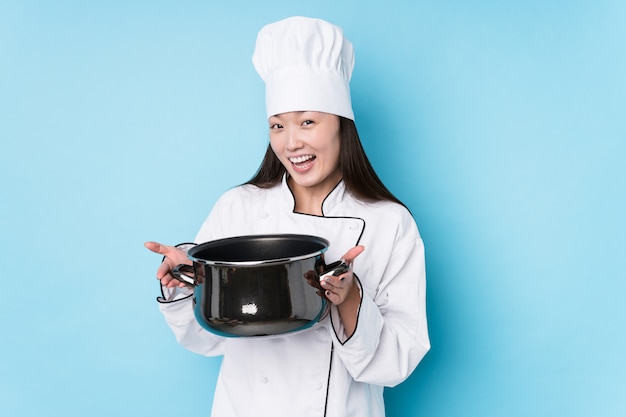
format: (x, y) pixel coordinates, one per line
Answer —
(342, 288)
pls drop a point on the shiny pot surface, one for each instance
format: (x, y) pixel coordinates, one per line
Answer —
(256, 286)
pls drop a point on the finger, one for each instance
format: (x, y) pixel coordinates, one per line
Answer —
(175, 283)
(332, 297)
(169, 281)
(159, 248)
(166, 279)
(163, 270)
(337, 285)
(332, 282)
(353, 253)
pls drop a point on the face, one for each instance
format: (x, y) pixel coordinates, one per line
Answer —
(308, 144)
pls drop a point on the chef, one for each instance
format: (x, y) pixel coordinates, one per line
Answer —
(315, 179)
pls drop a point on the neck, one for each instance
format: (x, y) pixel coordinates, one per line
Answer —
(309, 200)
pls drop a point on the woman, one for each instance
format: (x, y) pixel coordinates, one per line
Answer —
(315, 179)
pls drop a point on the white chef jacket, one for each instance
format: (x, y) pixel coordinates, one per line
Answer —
(319, 372)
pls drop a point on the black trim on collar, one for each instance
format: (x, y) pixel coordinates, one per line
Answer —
(328, 195)
(293, 197)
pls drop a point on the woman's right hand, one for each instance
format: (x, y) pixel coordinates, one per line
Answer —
(173, 257)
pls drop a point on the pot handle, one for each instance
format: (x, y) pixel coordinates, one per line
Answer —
(335, 269)
(185, 274)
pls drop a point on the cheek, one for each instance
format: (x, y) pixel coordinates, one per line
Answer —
(336, 151)
(275, 145)
(278, 150)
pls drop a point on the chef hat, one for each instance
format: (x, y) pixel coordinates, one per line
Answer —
(306, 65)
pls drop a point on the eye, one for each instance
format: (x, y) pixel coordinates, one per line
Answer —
(276, 126)
(307, 122)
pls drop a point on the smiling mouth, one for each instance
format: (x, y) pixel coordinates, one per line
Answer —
(302, 160)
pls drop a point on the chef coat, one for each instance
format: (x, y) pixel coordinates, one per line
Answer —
(318, 371)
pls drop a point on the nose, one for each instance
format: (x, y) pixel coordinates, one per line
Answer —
(294, 141)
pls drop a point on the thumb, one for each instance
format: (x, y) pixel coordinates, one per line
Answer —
(353, 253)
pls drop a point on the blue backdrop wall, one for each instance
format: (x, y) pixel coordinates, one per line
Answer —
(499, 123)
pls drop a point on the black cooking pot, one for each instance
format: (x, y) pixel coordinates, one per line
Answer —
(256, 285)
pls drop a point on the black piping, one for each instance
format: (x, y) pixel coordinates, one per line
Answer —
(162, 298)
(331, 191)
(356, 326)
(330, 367)
(293, 210)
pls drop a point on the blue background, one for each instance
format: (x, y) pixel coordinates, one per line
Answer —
(499, 123)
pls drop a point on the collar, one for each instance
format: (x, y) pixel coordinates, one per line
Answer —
(333, 199)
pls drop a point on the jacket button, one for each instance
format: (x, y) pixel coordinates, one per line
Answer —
(317, 385)
(264, 215)
(263, 380)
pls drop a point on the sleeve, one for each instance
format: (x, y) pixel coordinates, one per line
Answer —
(180, 317)
(176, 305)
(391, 336)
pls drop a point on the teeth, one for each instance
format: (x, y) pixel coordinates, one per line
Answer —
(300, 159)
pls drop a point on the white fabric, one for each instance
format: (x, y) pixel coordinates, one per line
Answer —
(306, 65)
(312, 373)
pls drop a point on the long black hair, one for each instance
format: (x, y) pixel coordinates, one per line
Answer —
(358, 174)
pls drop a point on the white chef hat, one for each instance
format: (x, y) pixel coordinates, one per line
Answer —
(306, 65)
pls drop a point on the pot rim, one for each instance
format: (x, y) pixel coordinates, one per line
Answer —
(263, 262)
